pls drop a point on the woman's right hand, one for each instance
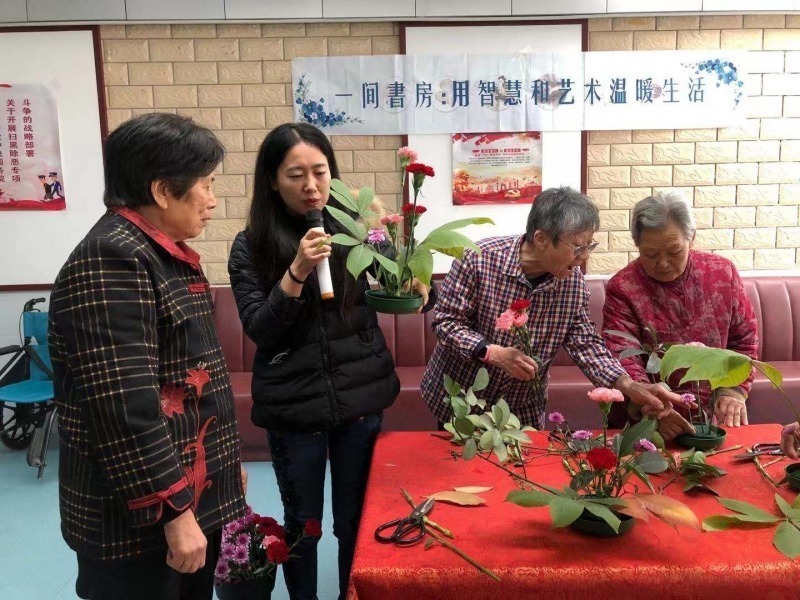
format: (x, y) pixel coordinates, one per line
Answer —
(310, 253)
(514, 362)
(674, 425)
(790, 440)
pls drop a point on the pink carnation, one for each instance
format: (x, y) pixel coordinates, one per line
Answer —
(392, 219)
(376, 236)
(269, 540)
(520, 319)
(646, 446)
(606, 395)
(505, 321)
(408, 154)
(581, 434)
(687, 398)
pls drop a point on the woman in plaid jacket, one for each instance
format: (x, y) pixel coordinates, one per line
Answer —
(149, 461)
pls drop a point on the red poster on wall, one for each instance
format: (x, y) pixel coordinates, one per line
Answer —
(30, 155)
(496, 168)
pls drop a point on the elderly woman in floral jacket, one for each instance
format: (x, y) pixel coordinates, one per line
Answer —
(150, 468)
(687, 297)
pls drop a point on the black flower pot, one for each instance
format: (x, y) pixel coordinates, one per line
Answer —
(706, 437)
(793, 476)
(382, 302)
(250, 589)
(590, 524)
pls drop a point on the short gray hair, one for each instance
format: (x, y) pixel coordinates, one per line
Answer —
(557, 211)
(654, 212)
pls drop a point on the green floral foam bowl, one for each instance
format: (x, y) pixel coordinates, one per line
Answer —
(592, 525)
(382, 302)
(707, 437)
(793, 476)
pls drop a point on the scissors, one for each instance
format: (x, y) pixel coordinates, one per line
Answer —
(761, 449)
(408, 530)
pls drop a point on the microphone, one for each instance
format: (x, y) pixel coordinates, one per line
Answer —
(314, 221)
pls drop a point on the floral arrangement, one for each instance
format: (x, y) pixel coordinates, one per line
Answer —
(408, 258)
(515, 321)
(253, 546)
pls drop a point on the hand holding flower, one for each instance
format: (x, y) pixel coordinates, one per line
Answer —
(514, 362)
(673, 425)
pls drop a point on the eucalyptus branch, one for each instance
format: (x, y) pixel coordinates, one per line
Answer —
(514, 475)
(763, 472)
(425, 518)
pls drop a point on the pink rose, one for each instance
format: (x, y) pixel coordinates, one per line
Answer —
(606, 395)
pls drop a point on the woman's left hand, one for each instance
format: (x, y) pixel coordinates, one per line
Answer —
(730, 411)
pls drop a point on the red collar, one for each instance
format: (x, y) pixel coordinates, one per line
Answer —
(178, 250)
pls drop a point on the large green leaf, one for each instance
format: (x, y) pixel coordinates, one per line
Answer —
(344, 240)
(421, 264)
(604, 513)
(643, 430)
(448, 242)
(512, 435)
(341, 192)
(358, 259)
(564, 511)
(465, 427)
(451, 386)
(770, 372)
(720, 367)
(365, 197)
(470, 449)
(529, 499)
(787, 539)
(652, 462)
(481, 380)
(787, 509)
(458, 224)
(758, 515)
(486, 441)
(357, 229)
(386, 263)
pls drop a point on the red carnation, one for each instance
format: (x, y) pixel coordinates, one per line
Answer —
(601, 458)
(420, 168)
(271, 528)
(278, 552)
(313, 528)
(409, 208)
(520, 305)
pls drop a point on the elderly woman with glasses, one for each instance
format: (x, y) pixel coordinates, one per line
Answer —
(687, 297)
(540, 267)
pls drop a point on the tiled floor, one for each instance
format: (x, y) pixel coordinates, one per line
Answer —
(36, 564)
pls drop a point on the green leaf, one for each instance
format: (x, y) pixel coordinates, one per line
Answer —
(505, 413)
(481, 380)
(787, 509)
(720, 522)
(497, 439)
(745, 508)
(652, 462)
(342, 193)
(516, 435)
(581, 480)
(643, 430)
(344, 240)
(357, 229)
(769, 372)
(421, 264)
(604, 513)
(720, 367)
(501, 451)
(628, 352)
(451, 386)
(643, 476)
(487, 440)
(653, 364)
(787, 540)
(624, 335)
(470, 398)
(386, 263)
(448, 242)
(529, 499)
(358, 259)
(464, 426)
(365, 197)
(470, 449)
(497, 415)
(461, 410)
(564, 511)
(458, 224)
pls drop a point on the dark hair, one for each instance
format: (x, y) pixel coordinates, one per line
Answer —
(557, 211)
(157, 147)
(273, 233)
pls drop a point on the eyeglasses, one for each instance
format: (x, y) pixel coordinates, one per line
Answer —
(581, 250)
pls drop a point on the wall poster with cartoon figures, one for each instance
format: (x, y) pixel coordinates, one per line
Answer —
(496, 168)
(30, 155)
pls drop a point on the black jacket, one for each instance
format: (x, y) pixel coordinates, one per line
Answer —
(312, 373)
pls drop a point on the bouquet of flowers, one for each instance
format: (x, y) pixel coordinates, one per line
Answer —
(409, 258)
(515, 321)
(253, 546)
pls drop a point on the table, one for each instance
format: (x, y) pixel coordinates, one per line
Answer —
(652, 561)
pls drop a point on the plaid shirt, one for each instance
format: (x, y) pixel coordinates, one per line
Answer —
(475, 292)
(145, 405)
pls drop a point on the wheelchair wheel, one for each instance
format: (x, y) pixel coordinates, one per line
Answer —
(19, 423)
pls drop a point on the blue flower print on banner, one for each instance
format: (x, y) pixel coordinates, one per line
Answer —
(315, 112)
(726, 74)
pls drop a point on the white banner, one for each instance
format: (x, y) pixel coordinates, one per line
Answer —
(543, 91)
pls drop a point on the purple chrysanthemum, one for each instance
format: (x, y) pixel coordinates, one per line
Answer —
(232, 528)
(646, 446)
(227, 550)
(687, 398)
(222, 571)
(240, 554)
(581, 434)
(556, 417)
(243, 539)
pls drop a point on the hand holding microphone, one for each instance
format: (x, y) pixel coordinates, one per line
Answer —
(312, 255)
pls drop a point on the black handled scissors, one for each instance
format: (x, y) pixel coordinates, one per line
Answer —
(761, 449)
(408, 530)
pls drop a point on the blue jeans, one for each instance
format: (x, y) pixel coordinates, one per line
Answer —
(299, 463)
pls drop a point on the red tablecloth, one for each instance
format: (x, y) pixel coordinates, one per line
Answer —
(653, 561)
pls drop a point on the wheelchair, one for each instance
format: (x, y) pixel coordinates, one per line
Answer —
(26, 390)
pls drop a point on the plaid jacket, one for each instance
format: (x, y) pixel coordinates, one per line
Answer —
(145, 404)
(475, 292)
